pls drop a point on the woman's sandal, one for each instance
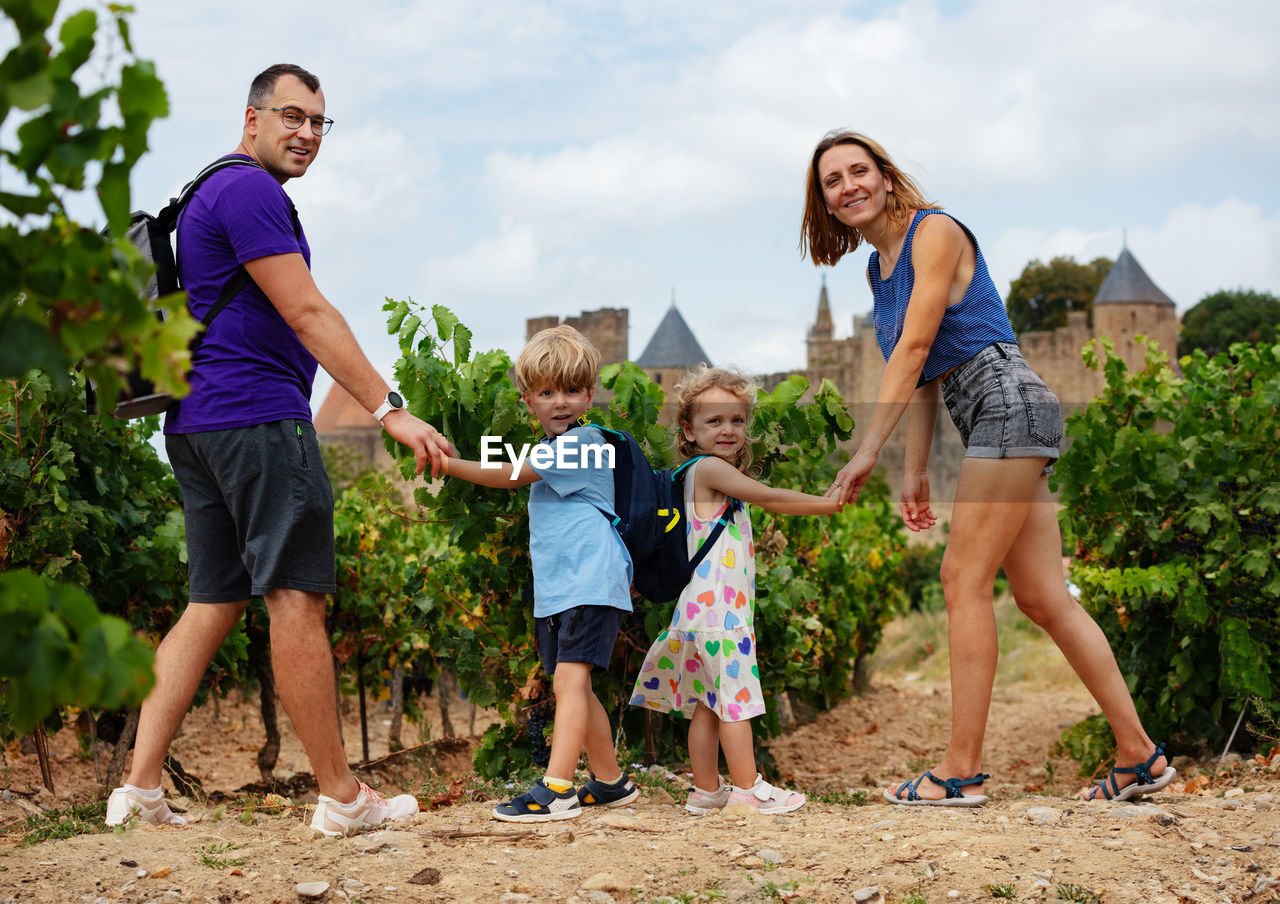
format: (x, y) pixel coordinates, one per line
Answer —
(1146, 784)
(955, 797)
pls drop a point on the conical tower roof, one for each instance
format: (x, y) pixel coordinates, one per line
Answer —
(1128, 283)
(672, 345)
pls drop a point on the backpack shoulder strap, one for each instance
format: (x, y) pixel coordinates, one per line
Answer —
(722, 522)
(168, 219)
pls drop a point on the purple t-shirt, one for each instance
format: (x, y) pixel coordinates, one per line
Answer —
(250, 368)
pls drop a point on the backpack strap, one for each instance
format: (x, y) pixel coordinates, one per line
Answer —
(168, 221)
(734, 506)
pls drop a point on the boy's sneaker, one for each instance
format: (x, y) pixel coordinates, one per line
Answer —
(540, 804)
(596, 793)
(701, 803)
(128, 802)
(368, 809)
(764, 798)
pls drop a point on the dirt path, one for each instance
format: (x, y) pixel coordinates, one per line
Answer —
(1215, 840)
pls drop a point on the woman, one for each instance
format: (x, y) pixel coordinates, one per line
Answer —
(943, 330)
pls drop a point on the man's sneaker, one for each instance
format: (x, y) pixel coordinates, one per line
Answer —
(540, 804)
(368, 809)
(763, 798)
(129, 803)
(596, 793)
(701, 803)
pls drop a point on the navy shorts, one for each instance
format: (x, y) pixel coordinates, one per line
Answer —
(258, 508)
(580, 634)
(1002, 408)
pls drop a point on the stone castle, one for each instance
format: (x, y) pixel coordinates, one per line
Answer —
(1127, 305)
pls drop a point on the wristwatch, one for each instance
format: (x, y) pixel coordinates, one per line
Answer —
(393, 402)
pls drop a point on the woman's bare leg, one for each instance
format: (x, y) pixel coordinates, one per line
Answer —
(1034, 568)
(993, 497)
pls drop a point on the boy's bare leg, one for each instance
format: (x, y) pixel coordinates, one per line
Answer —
(180, 663)
(580, 721)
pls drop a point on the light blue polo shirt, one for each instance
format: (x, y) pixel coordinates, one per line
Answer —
(578, 557)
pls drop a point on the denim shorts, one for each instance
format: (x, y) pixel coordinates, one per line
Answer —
(1002, 408)
(258, 508)
(580, 634)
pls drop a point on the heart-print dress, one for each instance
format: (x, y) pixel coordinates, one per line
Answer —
(707, 654)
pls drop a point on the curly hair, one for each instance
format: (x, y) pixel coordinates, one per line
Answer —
(695, 383)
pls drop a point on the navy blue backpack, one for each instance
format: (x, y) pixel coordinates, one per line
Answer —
(649, 515)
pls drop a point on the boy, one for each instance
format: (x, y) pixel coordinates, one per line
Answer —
(581, 570)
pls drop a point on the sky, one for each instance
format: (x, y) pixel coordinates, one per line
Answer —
(521, 158)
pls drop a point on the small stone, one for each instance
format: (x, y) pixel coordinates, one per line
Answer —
(751, 862)
(312, 889)
(1044, 816)
(1164, 819)
(887, 836)
(869, 895)
(1129, 811)
(603, 882)
(512, 897)
(953, 893)
(1264, 801)
(161, 873)
(426, 876)
(129, 863)
(661, 796)
(304, 833)
(594, 896)
(142, 874)
(771, 857)
(883, 824)
(738, 852)
(1235, 792)
(1229, 804)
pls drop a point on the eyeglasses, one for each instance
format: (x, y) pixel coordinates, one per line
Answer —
(293, 118)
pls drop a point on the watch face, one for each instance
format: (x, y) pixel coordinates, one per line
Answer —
(394, 400)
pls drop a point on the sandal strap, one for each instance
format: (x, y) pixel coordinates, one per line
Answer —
(953, 785)
(539, 794)
(1141, 770)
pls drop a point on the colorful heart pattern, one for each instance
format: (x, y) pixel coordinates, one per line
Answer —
(708, 653)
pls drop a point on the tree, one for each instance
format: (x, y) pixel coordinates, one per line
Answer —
(1169, 491)
(1227, 316)
(76, 504)
(71, 296)
(1042, 296)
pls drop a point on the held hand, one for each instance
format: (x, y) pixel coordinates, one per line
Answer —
(848, 483)
(425, 441)
(916, 514)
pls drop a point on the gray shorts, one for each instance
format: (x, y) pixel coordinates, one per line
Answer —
(1002, 408)
(258, 508)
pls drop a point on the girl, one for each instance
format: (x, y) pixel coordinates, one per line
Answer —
(703, 667)
(943, 331)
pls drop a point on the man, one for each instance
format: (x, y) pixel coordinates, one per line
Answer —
(258, 505)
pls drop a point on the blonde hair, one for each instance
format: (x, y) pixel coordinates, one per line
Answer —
(824, 238)
(559, 358)
(695, 383)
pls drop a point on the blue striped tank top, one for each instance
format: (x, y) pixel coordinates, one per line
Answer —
(968, 326)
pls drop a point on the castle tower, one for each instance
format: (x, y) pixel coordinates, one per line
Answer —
(820, 348)
(670, 353)
(1129, 304)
